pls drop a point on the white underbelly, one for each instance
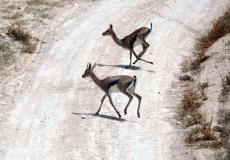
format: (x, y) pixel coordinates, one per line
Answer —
(137, 42)
(114, 89)
(130, 88)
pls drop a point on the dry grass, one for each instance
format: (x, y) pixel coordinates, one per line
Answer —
(191, 100)
(191, 64)
(204, 136)
(16, 31)
(189, 112)
(220, 28)
(29, 48)
(225, 88)
(225, 134)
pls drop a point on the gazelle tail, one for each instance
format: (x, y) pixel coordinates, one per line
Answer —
(151, 25)
(135, 80)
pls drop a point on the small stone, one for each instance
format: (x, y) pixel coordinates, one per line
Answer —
(83, 117)
(185, 77)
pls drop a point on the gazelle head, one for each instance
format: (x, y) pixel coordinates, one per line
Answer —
(88, 70)
(109, 31)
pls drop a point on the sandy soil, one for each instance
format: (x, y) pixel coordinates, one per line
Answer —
(50, 115)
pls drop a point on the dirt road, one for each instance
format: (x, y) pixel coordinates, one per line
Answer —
(51, 117)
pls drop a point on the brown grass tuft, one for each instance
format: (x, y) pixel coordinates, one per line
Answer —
(189, 112)
(220, 28)
(191, 100)
(15, 31)
(225, 134)
(203, 134)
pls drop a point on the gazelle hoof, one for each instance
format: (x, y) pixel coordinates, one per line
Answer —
(125, 112)
(138, 115)
(151, 62)
(96, 113)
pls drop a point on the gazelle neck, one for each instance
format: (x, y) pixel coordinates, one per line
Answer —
(95, 78)
(116, 39)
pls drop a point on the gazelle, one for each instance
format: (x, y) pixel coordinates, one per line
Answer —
(121, 83)
(128, 41)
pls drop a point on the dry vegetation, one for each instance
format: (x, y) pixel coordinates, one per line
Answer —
(22, 21)
(201, 133)
(225, 134)
(189, 110)
(225, 88)
(220, 28)
(204, 136)
(18, 33)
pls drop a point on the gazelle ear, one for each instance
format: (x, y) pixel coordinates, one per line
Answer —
(111, 26)
(89, 67)
(94, 66)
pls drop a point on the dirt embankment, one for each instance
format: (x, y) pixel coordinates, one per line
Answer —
(204, 109)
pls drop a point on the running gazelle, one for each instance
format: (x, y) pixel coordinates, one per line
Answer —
(128, 41)
(120, 83)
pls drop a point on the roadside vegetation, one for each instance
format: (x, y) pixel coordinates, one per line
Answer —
(200, 131)
(199, 126)
(21, 25)
(225, 91)
(18, 33)
(225, 134)
(220, 28)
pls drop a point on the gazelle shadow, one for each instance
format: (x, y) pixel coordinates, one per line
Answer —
(124, 67)
(101, 116)
(120, 66)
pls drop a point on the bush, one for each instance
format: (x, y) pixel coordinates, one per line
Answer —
(220, 28)
(15, 31)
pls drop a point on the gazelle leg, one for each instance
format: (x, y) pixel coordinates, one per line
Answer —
(111, 102)
(130, 62)
(141, 54)
(145, 46)
(146, 43)
(102, 100)
(130, 99)
(140, 58)
(139, 103)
